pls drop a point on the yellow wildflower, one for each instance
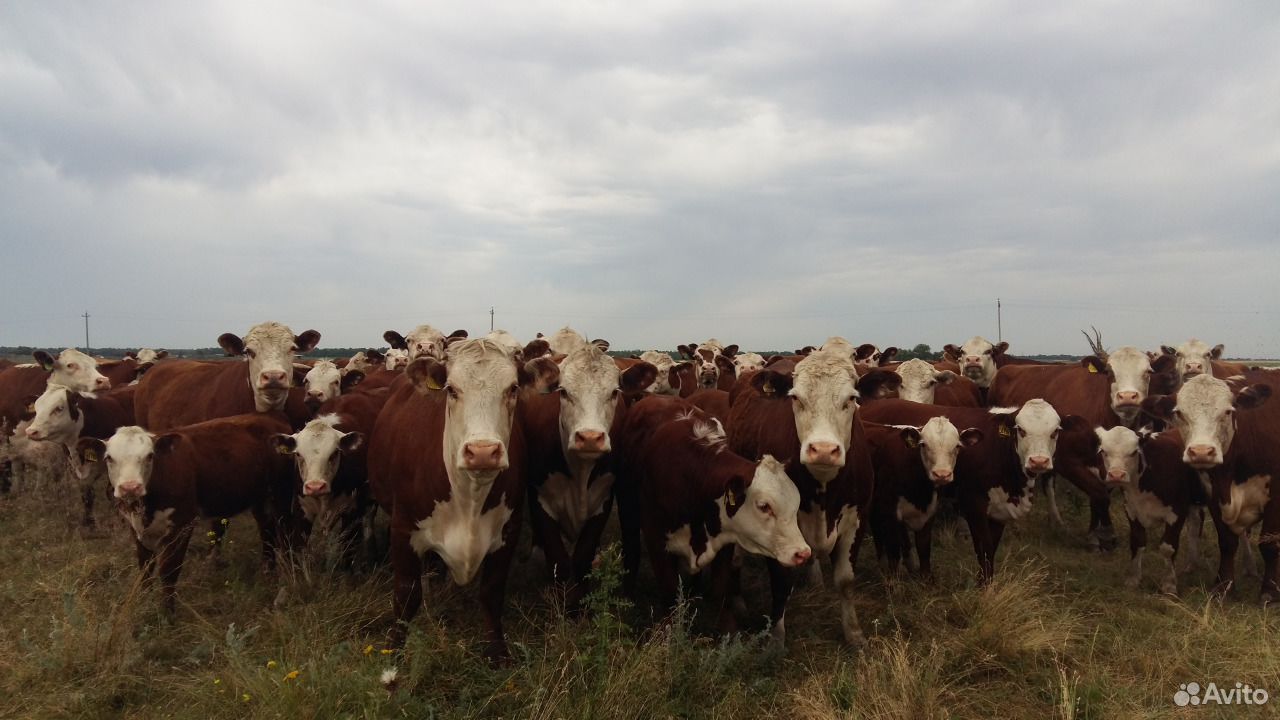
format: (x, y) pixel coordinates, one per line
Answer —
(224, 521)
(271, 664)
(387, 651)
(246, 697)
(217, 681)
(368, 649)
(293, 675)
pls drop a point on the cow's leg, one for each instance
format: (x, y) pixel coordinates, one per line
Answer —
(813, 573)
(995, 531)
(493, 594)
(665, 573)
(980, 532)
(781, 580)
(719, 577)
(172, 551)
(924, 548)
(843, 561)
(1168, 551)
(628, 497)
(546, 535)
(584, 554)
(904, 542)
(406, 566)
(269, 533)
(1051, 498)
(1192, 558)
(1228, 543)
(1249, 559)
(1100, 523)
(1137, 544)
(217, 533)
(1269, 547)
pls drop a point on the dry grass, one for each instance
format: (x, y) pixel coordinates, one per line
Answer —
(1055, 636)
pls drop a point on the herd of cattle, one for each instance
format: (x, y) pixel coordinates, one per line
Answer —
(791, 457)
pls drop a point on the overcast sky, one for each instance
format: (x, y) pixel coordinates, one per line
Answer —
(653, 173)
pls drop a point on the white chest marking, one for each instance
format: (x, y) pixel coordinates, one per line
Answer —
(813, 526)
(1001, 507)
(1147, 509)
(149, 536)
(462, 535)
(1246, 503)
(912, 516)
(571, 502)
(680, 544)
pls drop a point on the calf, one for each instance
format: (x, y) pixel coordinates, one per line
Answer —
(214, 469)
(396, 360)
(423, 340)
(693, 499)
(994, 477)
(1229, 438)
(445, 461)
(325, 381)
(1159, 489)
(924, 382)
(1195, 357)
(668, 381)
(912, 465)
(808, 419)
(712, 364)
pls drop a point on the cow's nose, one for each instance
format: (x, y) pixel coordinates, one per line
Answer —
(1116, 476)
(823, 453)
(272, 378)
(941, 477)
(972, 360)
(1038, 462)
(1202, 454)
(315, 488)
(102, 383)
(589, 440)
(33, 434)
(1127, 397)
(482, 455)
(801, 556)
(1193, 369)
(130, 488)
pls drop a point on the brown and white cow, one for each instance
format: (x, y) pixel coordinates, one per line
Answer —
(1229, 437)
(568, 436)
(712, 361)
(147, 356)
(162, 483)
(181, 392)
(693, 499)
(809, 420)
(912, 464)
(1194, 357)
(979, 359)
(668, 380)
(325, 381)
(446, 461)
(922, 382)
(422, 340)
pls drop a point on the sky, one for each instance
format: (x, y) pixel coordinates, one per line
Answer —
(655, 173)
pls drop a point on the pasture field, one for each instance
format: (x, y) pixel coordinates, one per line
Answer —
(1057, 635)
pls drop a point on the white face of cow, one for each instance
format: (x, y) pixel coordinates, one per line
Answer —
(823, 401)
(317, 450)
(920, 380)
(1036, 426)
(1121, 455)
(425, 341)
(129, 455)
(397, 359)
(507, 340)
(704, 360)
(565, 341)
(1205, 415)
(1195, 357)
(482, 386)
(1130, 372)
(269, 349)
(940, 442)
(663, 362)
(977, 360)
(748, 362)
(765, 522)
(56, 419)
(589, 395)
(147, 355)
(323, 382)
(75, 370)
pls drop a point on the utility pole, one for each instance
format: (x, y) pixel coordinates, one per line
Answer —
(999, 323)
(86, 331)
(490, 318)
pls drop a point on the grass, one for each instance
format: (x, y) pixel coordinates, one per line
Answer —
(1055, 636)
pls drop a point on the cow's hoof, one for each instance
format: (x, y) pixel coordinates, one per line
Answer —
(1221, 590)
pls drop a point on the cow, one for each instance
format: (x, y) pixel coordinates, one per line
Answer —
(1228, 436)
(923, 382)
(62, 416)
(1159, 490)
(693, 500)
(747, 362)
(325, 381)
(568, 437)
(668, 381)
(808, 419)
(993, 477)
(712, 364)
(445, 461)
(147, 356)
(978, 358)
(181, 392)
(396, 359)
(912, 464)
(422, 340)
(502, 337)
(366, 361)
(216, 469)
(1106, 392)
(1194, 357)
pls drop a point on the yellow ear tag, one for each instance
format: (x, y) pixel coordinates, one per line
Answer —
(1093, 369)
(728, 500)
(284, 450)
(1004, 431)
(433, 385)
(768, 388)
(912, 442)
(31, 408)
(90, 456)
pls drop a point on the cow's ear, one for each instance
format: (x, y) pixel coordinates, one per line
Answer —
(130, 355)
(306, 342)
(772, 383)
(878, 384)
(673, 376)
(28, 408)
(971, 436)
(542, 374)
(864, 351)
(602, 344)
(685, 351)
(350, 379)
(1093, 364)
(726, 365)
(951, 352)
(162, 354)
(395, 340)
(350, 442)
(300, 373)
(535, 349)
(730, 351)
(944, 377)
(165, 443)
(1216, 352)
(1160, 406)
(375, 357)
(90, 450)
(458, 335)
(888, 354)
(1168, 350)
(910, 437)
(735, 495)
(73, 405)
(637, 377)
(44, 360)
(427, 374)
(231, 344)
(1252, 396)
(1164, 363)
(1000, 348)
(283, 444)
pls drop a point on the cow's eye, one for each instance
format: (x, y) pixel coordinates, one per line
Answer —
(765, 508)
(1021, 432)
(250, 353)
(72, 366)
(452, 391)
(565, 395)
